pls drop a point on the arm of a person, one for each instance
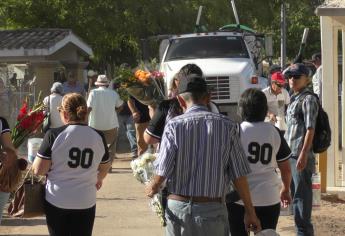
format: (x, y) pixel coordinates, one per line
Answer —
(285, 172)
(153, 187)
(250, 219)
(164, 164)
(133, 109)
(303, 157)
(6, 142)
(105, 164)
(41, 166)
(103, 170)
(154, 130)
(131, 105)
(119, 104)
(5, 136)
(120, 108)
(149, 139)
(90, 102)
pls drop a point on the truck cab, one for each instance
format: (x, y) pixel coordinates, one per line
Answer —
(228, 63)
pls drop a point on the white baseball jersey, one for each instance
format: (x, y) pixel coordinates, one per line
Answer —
(4, 127)
(264, 147)
(75, 152)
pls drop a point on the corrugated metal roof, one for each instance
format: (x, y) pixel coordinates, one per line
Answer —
(31, 38)
(334, 3)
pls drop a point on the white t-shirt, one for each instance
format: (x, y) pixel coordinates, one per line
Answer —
(264, 147)
(103, 102)
(317, 82)
(55, 101)
(276, 105)
(75, 152)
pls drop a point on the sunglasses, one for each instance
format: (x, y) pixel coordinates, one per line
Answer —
(294, 76)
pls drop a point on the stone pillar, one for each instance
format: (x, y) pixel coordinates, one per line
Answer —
(44, 72)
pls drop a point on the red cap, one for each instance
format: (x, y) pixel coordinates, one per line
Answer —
(278, 77)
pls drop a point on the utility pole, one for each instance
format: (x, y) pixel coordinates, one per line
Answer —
(283, 34)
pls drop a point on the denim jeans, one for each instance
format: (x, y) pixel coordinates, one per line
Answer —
(190, 219)
(3, 200)
(126, 122)
(303, 196)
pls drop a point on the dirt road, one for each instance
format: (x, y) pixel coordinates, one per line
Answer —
(122, 210)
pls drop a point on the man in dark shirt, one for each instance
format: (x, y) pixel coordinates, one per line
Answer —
(141, 119)
(166, 110)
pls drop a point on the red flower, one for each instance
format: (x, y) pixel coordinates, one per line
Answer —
(32, 121)
(25, 123)
(23, 111)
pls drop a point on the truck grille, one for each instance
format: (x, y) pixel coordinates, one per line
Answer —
(224, 89)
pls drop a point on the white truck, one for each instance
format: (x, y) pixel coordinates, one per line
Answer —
(229, 60)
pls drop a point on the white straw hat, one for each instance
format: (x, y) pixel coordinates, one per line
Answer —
(102, 80)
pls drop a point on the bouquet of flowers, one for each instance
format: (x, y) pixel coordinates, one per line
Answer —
(143, 171)
(147, 86)
(28, 120)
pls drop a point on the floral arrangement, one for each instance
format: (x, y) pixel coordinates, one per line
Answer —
(28, 121)
(143, 171)
(146, 85)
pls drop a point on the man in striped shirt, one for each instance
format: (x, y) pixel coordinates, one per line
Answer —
(200, 155)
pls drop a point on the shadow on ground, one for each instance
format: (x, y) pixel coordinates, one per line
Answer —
(116, 199)
(25, 235)
(22, 222)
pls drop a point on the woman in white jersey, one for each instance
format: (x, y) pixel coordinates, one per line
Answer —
(266, 150)
(75, 159)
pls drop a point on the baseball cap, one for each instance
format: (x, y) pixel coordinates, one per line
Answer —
(278, 77)
(296, 70)
(192, 83)
(316, 56)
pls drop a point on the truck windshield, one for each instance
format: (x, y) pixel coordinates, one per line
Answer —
(207, 47)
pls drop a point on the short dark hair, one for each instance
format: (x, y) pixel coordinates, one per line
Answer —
(252, 106)
(188, 70)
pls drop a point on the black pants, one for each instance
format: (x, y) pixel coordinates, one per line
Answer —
(268, 216)
(69, 222)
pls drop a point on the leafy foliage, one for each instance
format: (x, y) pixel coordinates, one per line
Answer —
(114, 28)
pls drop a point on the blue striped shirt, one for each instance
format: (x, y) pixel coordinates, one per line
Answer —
(201, 154)
(300, 116)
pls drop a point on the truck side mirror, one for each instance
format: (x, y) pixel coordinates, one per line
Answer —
(162, 47)
(269, 45)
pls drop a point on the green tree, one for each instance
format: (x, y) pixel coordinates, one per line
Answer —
(114, 28)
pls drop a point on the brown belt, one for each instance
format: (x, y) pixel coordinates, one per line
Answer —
(193, 199)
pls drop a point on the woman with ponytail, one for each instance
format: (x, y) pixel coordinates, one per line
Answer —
(75, 159)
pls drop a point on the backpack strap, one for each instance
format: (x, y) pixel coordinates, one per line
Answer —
(301, 99)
